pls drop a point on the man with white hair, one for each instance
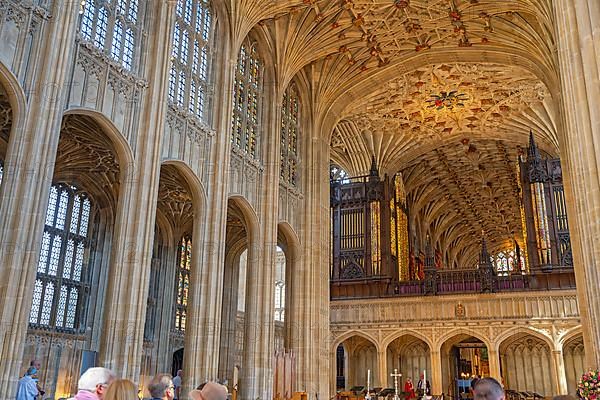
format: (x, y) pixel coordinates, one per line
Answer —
(93, 383)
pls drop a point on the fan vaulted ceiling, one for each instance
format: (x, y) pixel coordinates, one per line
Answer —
(444, 91)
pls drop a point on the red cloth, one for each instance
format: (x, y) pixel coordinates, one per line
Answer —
(409, 389)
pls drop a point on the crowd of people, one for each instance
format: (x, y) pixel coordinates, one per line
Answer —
(101, 384)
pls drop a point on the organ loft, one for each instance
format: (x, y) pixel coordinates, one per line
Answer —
(300, 199)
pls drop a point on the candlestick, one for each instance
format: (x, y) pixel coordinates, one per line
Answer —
(368, 395)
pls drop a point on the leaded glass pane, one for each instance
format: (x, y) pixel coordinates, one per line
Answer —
(44, 253)
(101, 26)
(54, 255)
(189, 68)
(68, 264)
(75, 214)
(37, 302)
(289, 136)
(61, 262)
(62, 305)
(183, 282)
(48, 297)
(52, 201)
(117, 17)
(72, 308)
(63, 203)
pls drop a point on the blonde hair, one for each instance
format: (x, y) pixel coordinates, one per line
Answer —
(121, 389)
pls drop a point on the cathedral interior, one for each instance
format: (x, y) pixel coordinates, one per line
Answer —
(300, 198)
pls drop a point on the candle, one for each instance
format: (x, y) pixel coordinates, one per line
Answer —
(425, 381)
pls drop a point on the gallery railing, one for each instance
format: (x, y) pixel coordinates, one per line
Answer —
(443, 282)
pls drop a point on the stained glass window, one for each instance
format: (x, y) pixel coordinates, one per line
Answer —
(246, 100)
(290, 128)
(192, 41)
(506, 263)
(183, 282)
(62, 263)
(113, 27)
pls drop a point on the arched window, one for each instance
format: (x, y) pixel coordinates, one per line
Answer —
(61, 272)
(113, 27)
(506, 263)
(192, 39)
(502, 264)
(246, 100)
(290, 127)
(183, 282)
(279, 301)
(336, 173)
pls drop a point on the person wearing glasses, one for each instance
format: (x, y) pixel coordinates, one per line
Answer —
(162, 388)
(93, 384)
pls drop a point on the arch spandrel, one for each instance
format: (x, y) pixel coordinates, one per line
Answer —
(507, 337)
(352, 333)
(454, 333)
(387, 340)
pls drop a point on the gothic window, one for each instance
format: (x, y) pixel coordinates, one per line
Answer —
(192, 39)
(506, 263)
(246, 100)
(183, 282)
(336, 173)
(113, 26)
(61, 272)
(290, 127)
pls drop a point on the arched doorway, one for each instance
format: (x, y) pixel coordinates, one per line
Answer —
(411, 356)
(177, 363)
(526, 364)
(574, 359)
(360, 356)
(463, 358)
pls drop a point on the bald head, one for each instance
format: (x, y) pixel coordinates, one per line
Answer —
(488, 389)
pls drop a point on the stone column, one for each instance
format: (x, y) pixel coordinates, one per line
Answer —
(382, 369)
(494, 360)
(127, 292)
(310, 334)
(256, 380)
(437, 387)
(578, 35)
(559, 376)
(29, 166)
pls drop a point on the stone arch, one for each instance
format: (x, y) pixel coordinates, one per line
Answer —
(120, 144)
(194, 183)
(361, 352)
(573, 352)
(14, 103)
(521, 330)
(404, 332)
(462, 331)
(410, 352)
(354, 332)
(526, 362)
(570, 334)
(288, 242)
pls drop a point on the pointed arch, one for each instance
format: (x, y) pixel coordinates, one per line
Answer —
(15, 94)
(407, 332)
(120, 144)
(354, 332)
(569, 335)
(512, 334)
(442, 340)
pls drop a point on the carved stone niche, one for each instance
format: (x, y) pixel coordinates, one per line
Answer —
(174, 197)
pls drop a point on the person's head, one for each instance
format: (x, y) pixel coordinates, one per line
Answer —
(179, 372)
(121, 389)
(421, 376)
(161, 387)
(210, 391)
(36, 364)
(474, 382)
(488, 389)
(96, 380)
